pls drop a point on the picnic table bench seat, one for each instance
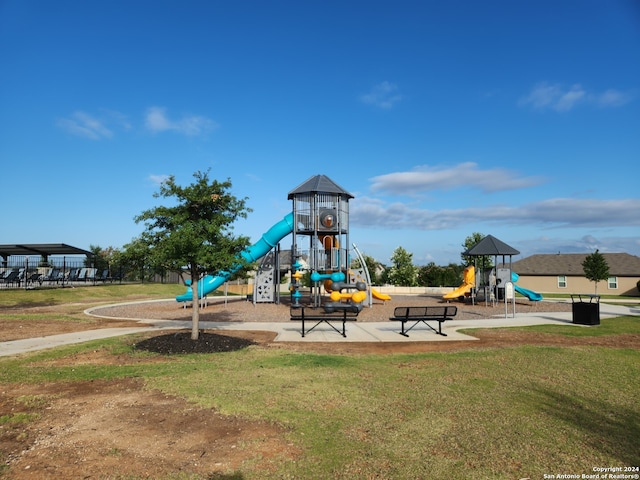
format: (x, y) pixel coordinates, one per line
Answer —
(431, 313)
(319, 315)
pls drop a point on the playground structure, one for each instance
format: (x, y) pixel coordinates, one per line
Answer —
(253, 253)
(489, 284)
(320, 217)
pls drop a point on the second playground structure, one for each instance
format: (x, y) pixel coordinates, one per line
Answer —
(469, 283)
(490, 284)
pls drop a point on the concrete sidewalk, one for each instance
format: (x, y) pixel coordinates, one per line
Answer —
(290, 331)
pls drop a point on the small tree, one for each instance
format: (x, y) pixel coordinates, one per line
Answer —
(483, 262)
(468, 243)
(402, 271)
(136, 257)
(197, 232)
(101, 257)
(432, 275)
(428, 275)
(117, 265)
(595, 268)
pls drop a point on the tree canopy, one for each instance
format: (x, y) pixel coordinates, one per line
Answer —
(402, 271)
(196, 232)
(595, 268)
(485, 262)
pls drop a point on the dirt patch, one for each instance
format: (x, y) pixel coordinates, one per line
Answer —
(117, 428)
(107, 429)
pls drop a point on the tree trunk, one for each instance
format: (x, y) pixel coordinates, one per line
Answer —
(195, 309)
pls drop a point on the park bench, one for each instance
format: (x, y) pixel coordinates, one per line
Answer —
(416, 315)
(318, 315)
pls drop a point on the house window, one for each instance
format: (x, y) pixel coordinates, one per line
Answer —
(562, 281)
(613, 283)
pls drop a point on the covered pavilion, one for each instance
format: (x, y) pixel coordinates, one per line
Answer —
(45, 250)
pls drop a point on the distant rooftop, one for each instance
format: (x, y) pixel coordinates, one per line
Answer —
(620, 264)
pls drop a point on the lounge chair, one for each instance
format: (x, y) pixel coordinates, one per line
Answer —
(90, 274)
(55, 275)
(33, 278)
(103, 277)
(73, 275)
(13, 277)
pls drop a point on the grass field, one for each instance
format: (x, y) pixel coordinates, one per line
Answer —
(91, 294)
(509, 413)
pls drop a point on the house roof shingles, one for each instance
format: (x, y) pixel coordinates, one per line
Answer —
(620, 264)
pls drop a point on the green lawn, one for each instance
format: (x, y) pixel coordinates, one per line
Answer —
(87, 294)
(508, 413)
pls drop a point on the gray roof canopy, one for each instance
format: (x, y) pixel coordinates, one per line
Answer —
(43, 249)
(490, 245)
(319, 184)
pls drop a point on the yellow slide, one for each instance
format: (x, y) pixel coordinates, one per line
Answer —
(468, 282)
(458, 292)
(380, 296)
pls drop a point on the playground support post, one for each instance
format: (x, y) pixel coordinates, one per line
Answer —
(366, 272)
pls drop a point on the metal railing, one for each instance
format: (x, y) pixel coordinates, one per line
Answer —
(32, 272)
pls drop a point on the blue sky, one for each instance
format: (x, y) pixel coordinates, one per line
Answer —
(510, 118)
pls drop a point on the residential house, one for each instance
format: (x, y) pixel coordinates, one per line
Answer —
(563, 273)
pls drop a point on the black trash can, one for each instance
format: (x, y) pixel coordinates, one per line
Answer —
(586, 313)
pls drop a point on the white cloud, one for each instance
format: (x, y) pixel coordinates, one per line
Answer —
(554, 97)
(613, 98)
(546, 96)
(573, 212)
(84, 125)
(100, 127)
(118, 119)
(567, 100)
(425, 178)
(156, 120)
(158, 179)
(385, 95)
(552, 213)
(578, 244)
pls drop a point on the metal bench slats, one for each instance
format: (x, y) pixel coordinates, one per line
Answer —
(425, 314)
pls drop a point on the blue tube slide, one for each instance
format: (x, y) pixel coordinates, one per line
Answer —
(251, 254)
(530, 294)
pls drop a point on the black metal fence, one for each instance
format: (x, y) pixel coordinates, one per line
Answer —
(33, 272)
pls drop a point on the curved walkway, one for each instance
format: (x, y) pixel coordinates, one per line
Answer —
(290, 331)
